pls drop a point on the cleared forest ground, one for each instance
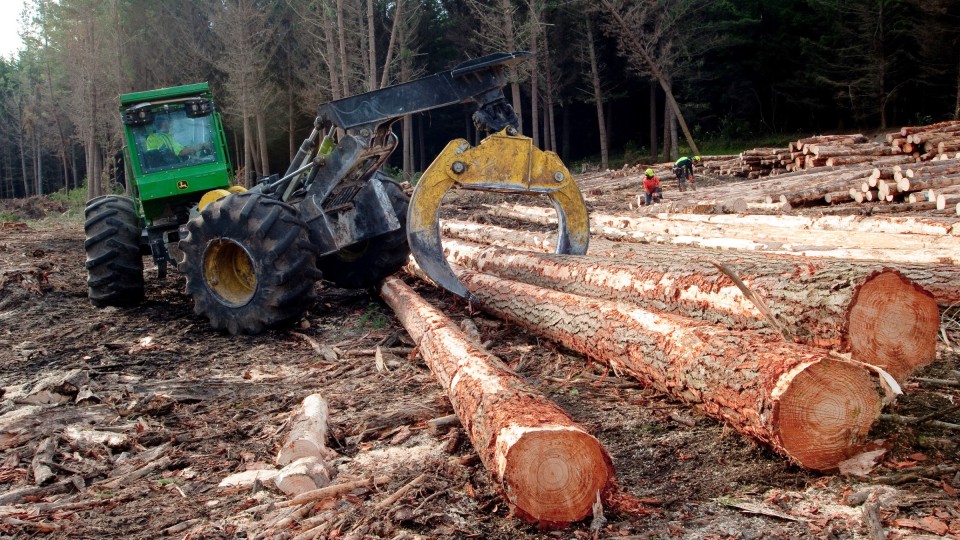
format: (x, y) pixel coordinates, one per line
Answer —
(189, 406)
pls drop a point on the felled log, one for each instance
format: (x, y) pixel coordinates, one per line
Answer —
(770, 237)
(308, 432)
(303, 475)
(813, 409)
(876, 314)
(548, 467)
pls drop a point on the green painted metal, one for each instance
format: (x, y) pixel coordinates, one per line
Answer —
(162, 180)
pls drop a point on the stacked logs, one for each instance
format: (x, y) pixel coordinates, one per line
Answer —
(927, 142)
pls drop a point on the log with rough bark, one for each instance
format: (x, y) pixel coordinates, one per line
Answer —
(548, 467)
(308, 432)
(876, 314)
(811, 408)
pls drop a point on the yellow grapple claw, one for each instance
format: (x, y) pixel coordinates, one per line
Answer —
(504, 163)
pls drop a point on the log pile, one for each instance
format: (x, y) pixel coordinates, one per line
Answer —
(927, 142)
(813, 409)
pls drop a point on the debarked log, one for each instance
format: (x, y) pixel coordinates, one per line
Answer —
(813, 409)
(548, 467)
(875, 313)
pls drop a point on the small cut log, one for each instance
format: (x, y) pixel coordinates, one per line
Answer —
(549, 468)
(303, 475)
(308, 434)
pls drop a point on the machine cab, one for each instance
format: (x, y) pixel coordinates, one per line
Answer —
(175, 148)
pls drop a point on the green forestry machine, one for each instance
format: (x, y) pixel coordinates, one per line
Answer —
(251, 258)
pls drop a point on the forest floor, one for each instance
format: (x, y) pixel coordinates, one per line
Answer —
(188, 406)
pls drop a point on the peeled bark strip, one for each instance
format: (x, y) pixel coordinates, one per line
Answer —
(813, 409)
(548, 466)
(893, 323)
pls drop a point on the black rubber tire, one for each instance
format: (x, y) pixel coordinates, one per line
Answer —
(367, 263)
(114, 262)
(267, 236)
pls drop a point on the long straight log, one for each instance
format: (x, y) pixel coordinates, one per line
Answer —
(815, 410)
(875, 313)
(549, 468)
(884, 247)
(940, 280)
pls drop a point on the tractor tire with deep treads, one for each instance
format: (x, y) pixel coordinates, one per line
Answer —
(367, 263)
(114, 260)
(249, 263)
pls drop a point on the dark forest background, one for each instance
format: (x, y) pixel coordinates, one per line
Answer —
(743, 73)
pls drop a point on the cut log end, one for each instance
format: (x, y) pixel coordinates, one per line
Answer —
(826, 413)
(553, 475)
(893, 324)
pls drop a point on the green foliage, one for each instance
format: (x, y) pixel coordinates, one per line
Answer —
(75, 200)
(373, 317)
(6, 215)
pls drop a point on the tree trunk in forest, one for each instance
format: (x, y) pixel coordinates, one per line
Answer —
(534, 72)
(407, 124)
(371, 50)
(23, 164)
(385, 78)
(37, 157)
(549, 123)
(815, 410)
(342, 40)
(247, 154)
(654, 144)
(506, 9)
(262, 143)
(667, 138)
(547, 466)
(565, 134)
(331, 58)
(674, 139)
(598, 98)
(893, 323)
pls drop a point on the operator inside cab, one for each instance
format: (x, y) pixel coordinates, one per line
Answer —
(161, 139)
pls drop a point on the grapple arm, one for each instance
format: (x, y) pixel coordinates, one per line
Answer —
(501, 162)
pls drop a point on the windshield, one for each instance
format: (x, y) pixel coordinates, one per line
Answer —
(174, 140)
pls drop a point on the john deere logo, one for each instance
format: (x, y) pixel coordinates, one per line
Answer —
(182, 184)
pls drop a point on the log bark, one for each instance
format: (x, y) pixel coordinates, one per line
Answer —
(308, 433)
(941, 280)
(812, 409)
(876, 314)
(548, 467)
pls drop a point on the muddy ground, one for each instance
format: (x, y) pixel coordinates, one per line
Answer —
(195, 406)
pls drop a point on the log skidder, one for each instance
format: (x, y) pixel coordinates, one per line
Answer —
(251, 258)
(249, 263)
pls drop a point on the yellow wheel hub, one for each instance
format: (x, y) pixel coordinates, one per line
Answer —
(229, 272)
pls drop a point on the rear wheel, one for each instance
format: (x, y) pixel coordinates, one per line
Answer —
(368, 262)
(114, 261)
(249, 263)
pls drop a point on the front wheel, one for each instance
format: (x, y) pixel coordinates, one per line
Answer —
(249, 263)
(114, 262)
(370, 261)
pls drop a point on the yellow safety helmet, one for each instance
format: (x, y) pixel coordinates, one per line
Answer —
(696, 158)
(649, 173)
